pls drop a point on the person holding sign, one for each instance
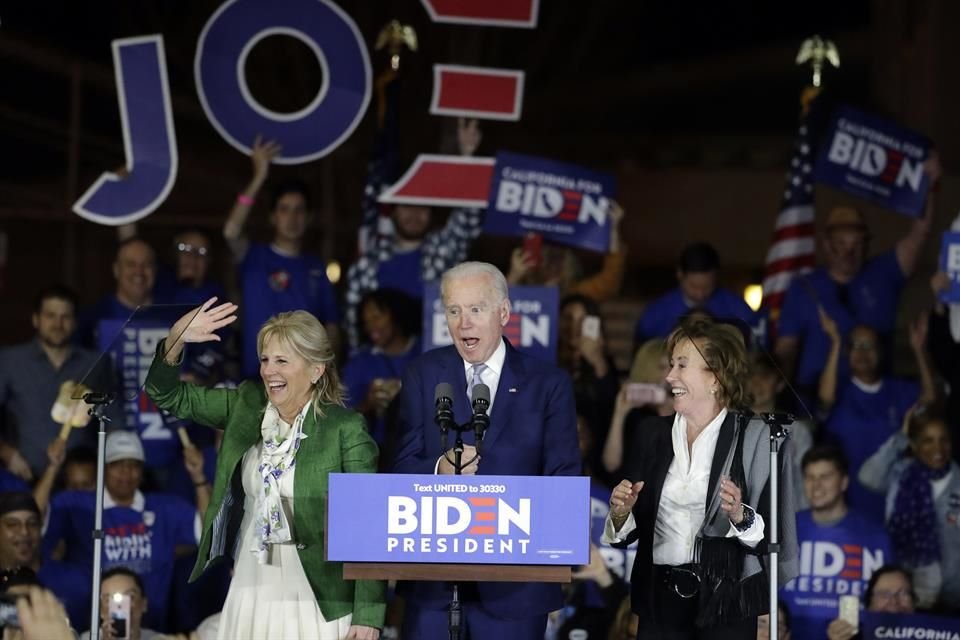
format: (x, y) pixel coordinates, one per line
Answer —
(282, 437)
(532, 432)
(696, 498)
(850, 288)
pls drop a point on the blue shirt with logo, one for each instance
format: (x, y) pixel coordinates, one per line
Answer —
(273, 283)
(660, 316)
(860, 422)
(142, 537)
(870, 299)
(835, 560)
(366, 364)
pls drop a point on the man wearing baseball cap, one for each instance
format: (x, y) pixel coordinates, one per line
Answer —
(140, 530)
(849, 288)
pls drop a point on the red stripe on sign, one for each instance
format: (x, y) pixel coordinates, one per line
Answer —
(476, 92)
(481, 531)
(572, 195)
(485, 516)
(451, 181)
(482, 502)
(521, 12)
(854, 575)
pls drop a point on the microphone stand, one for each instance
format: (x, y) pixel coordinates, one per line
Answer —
(445, 422)
(777, 424)
(98, 403)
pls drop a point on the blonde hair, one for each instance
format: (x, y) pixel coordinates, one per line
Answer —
(309, 340)
(646, 363)
(724, 350)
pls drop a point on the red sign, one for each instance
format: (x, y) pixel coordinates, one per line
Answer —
(443, 181)
(477, 92)
(493, 13)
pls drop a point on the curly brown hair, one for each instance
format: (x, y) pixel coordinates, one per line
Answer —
(724, 350)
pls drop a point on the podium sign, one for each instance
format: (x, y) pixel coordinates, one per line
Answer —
(526, 520)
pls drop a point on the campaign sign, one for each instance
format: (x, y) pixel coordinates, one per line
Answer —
(542, 520)
(876, 160)
(565, 203)
(950, 264)
(883, 626)
(532, 327)
(132, 346)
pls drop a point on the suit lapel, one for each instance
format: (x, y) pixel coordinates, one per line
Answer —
(724, 442)
(504, 400)
(664, 460)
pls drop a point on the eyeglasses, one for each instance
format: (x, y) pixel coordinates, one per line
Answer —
(863, 345)
(899, 594)
(186, 247)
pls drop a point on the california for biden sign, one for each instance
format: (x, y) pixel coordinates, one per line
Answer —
(459, 519)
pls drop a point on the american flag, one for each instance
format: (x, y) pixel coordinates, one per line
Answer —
(383, 168)
(793, 245)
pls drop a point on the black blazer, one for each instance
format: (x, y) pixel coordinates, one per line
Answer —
(649, 460)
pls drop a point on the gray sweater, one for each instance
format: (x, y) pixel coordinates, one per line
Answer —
(882, 472)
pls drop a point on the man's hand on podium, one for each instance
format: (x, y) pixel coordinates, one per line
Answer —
(469, 455)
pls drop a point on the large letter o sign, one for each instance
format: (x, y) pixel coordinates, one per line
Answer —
(317, 129)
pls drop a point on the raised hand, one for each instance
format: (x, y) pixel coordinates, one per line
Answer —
(198, 325)
(829, 325)
(261, 155)
(623, 497)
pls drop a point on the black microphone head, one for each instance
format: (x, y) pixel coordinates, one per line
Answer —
(443, 392)
(481, 392)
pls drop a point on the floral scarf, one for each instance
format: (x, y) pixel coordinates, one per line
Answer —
(278, 456)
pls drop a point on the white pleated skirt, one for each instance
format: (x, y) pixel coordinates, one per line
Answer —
(272, 600)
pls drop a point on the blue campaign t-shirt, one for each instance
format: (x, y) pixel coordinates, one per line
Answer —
(871, 300)
(366, 364)
(660, 317)
(860, 423)
(273, 283)
(835, 560)
(142, 537)
(402, 272)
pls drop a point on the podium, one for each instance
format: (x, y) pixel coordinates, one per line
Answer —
(458, 528)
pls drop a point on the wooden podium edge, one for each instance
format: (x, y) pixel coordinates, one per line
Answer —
(456, 572)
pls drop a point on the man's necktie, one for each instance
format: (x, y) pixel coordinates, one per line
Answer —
(475, 372)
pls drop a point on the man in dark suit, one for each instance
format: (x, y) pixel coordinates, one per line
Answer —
(532, 432)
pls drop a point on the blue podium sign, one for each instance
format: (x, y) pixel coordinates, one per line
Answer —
(530, 520)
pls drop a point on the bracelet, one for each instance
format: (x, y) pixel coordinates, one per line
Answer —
(244, 199)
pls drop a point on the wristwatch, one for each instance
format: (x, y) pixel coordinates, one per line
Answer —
(749, 515)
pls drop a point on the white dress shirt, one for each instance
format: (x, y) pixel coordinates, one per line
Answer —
(489, 376)
(683, 501)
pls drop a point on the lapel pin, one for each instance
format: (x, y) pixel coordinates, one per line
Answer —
(512, 390)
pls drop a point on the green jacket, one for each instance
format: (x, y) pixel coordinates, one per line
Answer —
(338, 442)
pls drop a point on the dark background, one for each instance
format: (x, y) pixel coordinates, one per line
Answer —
(692, 105)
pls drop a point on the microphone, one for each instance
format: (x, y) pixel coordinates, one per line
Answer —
(443, 402)
(481, 403)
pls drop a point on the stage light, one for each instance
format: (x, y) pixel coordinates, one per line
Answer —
(333, 272)
(753, 296)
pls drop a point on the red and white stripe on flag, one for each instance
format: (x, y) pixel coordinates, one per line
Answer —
(493, 13)
(793, 245)
(443, 181)
(477, 92)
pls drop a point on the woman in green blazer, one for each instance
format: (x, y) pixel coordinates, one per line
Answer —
(282, 438)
